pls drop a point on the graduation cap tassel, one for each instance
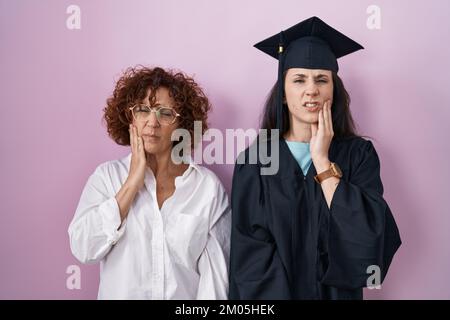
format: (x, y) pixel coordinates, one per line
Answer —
(280, 83)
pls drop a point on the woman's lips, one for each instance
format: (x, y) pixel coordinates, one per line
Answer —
(151, 138)
(312, 106)
(312, 109)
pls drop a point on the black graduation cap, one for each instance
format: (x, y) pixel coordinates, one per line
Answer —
(310, 44)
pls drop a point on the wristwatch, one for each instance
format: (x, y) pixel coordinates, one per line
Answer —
(334, 171)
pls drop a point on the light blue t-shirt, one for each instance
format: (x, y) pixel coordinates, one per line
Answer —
(300, 151)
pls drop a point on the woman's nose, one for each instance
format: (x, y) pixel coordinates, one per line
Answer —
(153, 120)
(312, 90)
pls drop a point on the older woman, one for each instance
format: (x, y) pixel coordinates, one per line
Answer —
(319, 228)
(159, 228)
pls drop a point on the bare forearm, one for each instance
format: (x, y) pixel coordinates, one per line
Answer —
(125, 198)
(329, 187)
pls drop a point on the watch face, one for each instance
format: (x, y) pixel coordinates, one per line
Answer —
(336, 169)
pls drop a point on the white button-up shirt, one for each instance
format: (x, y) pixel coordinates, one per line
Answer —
(180, 251)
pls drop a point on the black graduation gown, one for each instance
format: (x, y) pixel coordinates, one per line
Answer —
(287, 244)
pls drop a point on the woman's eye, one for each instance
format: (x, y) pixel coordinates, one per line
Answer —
(166, 112)
(322, 81)
(142, 109)
(299, 81)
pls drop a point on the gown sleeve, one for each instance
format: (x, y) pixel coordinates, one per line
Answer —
(256, 271)
(360, 229)
(96, 226)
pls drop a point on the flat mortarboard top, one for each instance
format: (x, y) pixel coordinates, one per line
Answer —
(310, 44)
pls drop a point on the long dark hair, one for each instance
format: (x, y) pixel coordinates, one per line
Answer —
(343, 124)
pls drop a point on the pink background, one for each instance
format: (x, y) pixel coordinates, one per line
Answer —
(54, 82)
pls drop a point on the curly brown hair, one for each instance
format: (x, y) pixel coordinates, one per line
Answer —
(190, 101)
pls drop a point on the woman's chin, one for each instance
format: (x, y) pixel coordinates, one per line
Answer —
(155, 148)
(152, 149)
(309, 119)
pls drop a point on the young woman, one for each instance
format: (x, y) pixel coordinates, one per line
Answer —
(319, 227)
(159, 229)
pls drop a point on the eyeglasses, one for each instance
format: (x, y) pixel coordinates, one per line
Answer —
(164, 115)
